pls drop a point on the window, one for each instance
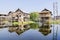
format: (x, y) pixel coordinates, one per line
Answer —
(20, 15)
(16, 15)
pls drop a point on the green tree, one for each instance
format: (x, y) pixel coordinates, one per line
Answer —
(34, 16)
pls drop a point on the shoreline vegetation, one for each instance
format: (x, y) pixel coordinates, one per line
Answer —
(55, 22)
(23, 23)
(29, 22)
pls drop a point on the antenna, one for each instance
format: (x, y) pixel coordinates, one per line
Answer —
(55, 9)
(55, 12)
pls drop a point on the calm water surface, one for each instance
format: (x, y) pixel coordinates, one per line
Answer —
(41, 33)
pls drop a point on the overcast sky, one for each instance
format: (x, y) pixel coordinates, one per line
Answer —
(27, 5)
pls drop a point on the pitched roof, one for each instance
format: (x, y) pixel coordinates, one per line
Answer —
(3, 14)
(9, 12)
(21, 11)
(45, 9)
(18, 10)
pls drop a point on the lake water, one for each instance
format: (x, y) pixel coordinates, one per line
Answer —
(32, 33)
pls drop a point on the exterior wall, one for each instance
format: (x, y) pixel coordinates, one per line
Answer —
(45, 14)
(3, 20)
(45, 17)
(56, 18)
(26, 17)
(19, 16)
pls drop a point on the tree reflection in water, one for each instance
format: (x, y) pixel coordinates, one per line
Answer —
(34, 26)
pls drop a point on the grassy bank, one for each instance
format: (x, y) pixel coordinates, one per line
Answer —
(55, 22)
(29, 22)
(23, 23)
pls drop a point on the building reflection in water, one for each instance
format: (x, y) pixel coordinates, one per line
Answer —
(20, 29)
(45, 30)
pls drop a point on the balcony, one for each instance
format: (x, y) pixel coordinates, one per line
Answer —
(45, 15)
